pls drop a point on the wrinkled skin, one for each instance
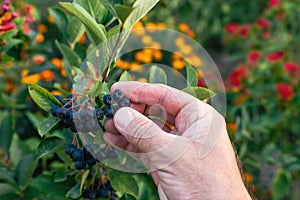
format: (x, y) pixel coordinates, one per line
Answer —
(192, 160)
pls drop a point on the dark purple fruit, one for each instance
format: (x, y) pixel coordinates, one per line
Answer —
(117, 95)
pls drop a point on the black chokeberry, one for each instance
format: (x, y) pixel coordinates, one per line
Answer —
(69, 149)
(54, 110)
(70, 96)
(91, 162)
(103, 192)
(59, 98)
(117, 95)
(89, 193)
(80, 164)
(124, 102)
(108, 112)
(77, 154)
(99, 113)
(62, 112)
(107, 99)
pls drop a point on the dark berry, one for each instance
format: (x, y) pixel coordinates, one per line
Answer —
(69, 149)
(62, 112)
(80, 164)
(70, 96)
(77, 154)
(117, 95)
(91, 162)
(88, 193)
(73, 128)
(59, 98)
(99, 113)
(66, 123)
(107, 99)
(87, 154)
(124, 103)
(108, 112)
(103, 192)
(54, 110)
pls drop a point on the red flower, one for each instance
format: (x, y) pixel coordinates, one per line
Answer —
(284, 91)
(266, 35)
(253, 57)
(232, 28)
(291, 67)
(237, 75)
(273, 3)
(244, 31)
(275, 56)
(263, 23)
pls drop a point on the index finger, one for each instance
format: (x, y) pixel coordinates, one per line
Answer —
(171, 99)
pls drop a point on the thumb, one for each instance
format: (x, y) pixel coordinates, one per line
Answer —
(140, 131)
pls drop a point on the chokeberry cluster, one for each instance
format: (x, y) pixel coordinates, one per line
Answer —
(81, 157)
(97, 191)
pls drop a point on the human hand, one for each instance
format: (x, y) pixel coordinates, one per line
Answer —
(193, 160)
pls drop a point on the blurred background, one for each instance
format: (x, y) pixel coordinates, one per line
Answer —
(255, 44)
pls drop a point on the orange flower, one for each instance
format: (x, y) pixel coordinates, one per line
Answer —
(247, 177)
(82, 39)
(34, 78)
(157, 55)
(47, 75)
(240, 100)
(231, 126)
(142, 79)
(186, 49)
(183, 27)
(50, 19)
(42, 28)
(63, 72)
(39, 38)
(179, 42)
(57, 62)
(146, 39)
(56, 92)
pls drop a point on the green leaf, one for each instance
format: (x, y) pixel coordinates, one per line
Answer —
(140, 9)
(127, 197)
(7, 177)
(83, 178)
(94, 8)
(44, 99)
(6, 131)
(74, 29)
(280, 185)
(26, 169)
(95, 31)
(199, 92)
(74, 192)
(123, 11)
(191, 75)
(157, 75)
(6, 189)
(50, 145)
(114, 31)
(123, 182)
(47, 125)
(70, 55)
(109, 7)
(59, 17)
(125, 76)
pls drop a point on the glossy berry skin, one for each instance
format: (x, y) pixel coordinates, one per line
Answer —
(99, 113)
(77, 155)
(62, 112)
(107, 99)
(117, 95)
(69, 149)
(80, 164)
(108, 112)
(91, 162)
(124, 103)
(54, 110)
(103, 192)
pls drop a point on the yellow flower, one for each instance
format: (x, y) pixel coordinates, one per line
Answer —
(146, 39)
(157, 55)
(142, 79)
(39, 38)
(195, 60)
(56, 92)
(186, 49)
(137, 68)
(42, 28)
(179, 42)
(34, 78)
(161, 25)
(178, 64)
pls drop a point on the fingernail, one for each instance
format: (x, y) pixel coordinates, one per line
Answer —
(123, 118)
